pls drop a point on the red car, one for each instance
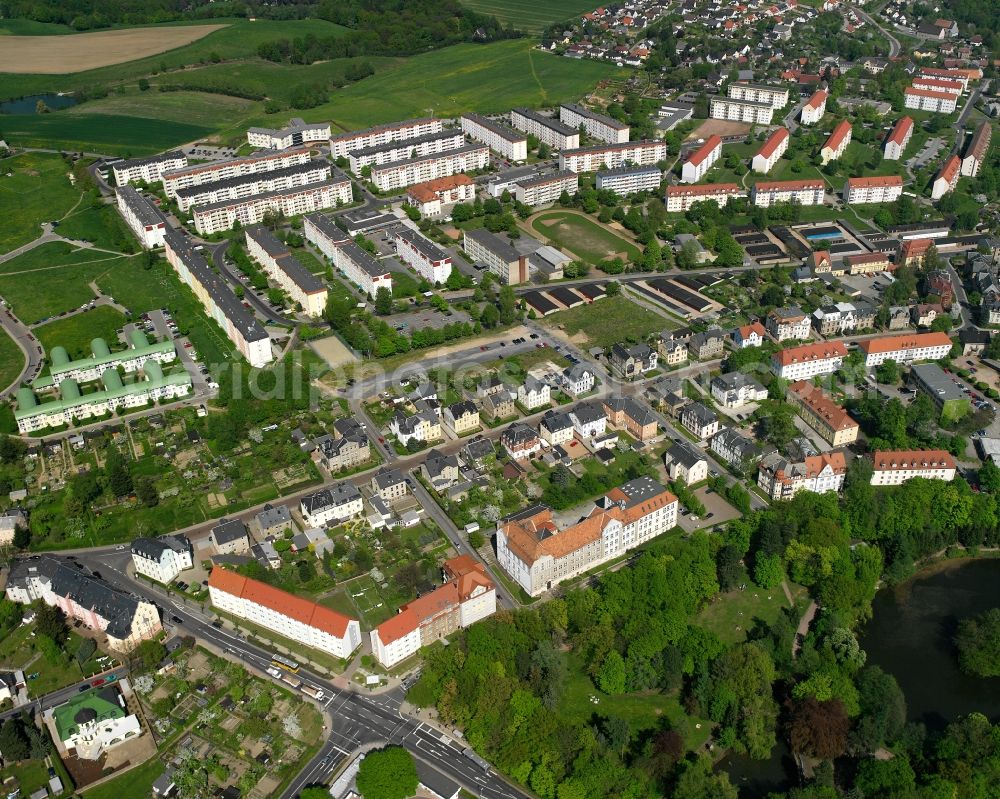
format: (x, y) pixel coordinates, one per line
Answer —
(98, 682)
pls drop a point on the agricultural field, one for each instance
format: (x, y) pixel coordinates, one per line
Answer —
(528, 16)
(76, 332)
(606, 322)
(38, 189)
(578, 234)
(111, 134)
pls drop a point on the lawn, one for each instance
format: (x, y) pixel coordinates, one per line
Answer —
(76, 332)
(17, 651)
(32, 774)
(136, 782)
(526, 15)
(11, 360)
(609, 321)
(730, 615)
(111, 134)
(579, 234)
(38, 189)
(101, 226)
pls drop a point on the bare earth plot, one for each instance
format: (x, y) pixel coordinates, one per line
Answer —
(718, 127)
(332, 350)
(56, 55)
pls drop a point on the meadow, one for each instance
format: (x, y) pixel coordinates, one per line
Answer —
(76, 332)
(608, 321)
(109, 134)
(529, 16)
(577, 233)
(38, 189)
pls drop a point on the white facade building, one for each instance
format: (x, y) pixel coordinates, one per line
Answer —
(906, 349)
(597, 126)
(344, 143)
(547, 188)
(681, 198)
(403, 173)
(741, 111)
(809, 360)
(776, 96)
(222, 216)
(247, 186)
(627, 180)
(701, 160)
(148, 170)
(883, 189)
(930, 100)
(500, 138)
(295, 134)
(891, 468)
(356, 264)
(430, 261)
(546, 129)
(803, 192)
(162, 559)
(144, 219)
(301, 285)
(332, 505)
(431, 144)
(612, 156)
(898, 139)
(431, 197)
(771, 151)
(782, 479)
(214, 171)
(814, 109)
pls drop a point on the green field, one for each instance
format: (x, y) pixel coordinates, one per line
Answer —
(581, 235)
(530, 16)
(11, 360)
(732, 614)
(109, 134)
(608, 321)
(37, 190)
(76, 332)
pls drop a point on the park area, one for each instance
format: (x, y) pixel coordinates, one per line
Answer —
(586, 239)
(610, 321)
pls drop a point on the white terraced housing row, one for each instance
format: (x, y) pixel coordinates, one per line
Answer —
(359, 267)
(142, 217)
(612, 156)
(345, 143)
(284, 269)
(431, 262)
(502, 139)
(547, 188)
(400, 174)
(546, 129)
(741, 110)
(402, 150)
(217, 217)
(295, 134)
(803, 192)
(598, 126)
(196, 174)
(245, 186)
(148, 170)
(777, 96)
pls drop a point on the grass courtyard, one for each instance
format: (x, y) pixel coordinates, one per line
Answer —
(730, 615)
(608, 321)
(587, 239)
(76, 332)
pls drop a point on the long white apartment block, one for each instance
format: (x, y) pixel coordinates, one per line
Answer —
(284, 269)
(214, 171)
(937, 85)
(432, 143)
(400, 174)
(598, 126)
(735, 110)
(947, 178)
(776, 96)
(803, 192)
(809, 360)
(681, 198)
(547, 188)
(500, 257)
(893, 467)
(430, 261)
(701, 160)
(144, 219)
(962, 76)
(295, 134)
(899, 138)
(344, 143)
(906, 349)
(626, 180)
(359, 267)
(882, 189)
(612, 156)
(771, 151)
(929, 100)
(217, 217)
(546, 129)
(218, 299)
(148, 170)
(245, 186)
(502, 139)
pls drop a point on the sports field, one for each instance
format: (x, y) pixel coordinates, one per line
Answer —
(587, 239)
(83, 51)
(37, 190)
(529, 16)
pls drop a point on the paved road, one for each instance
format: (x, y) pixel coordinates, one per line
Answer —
(249, 296)
(28, 344)
(39, 704)
(894, 47)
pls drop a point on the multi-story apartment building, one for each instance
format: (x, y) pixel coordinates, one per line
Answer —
(556, 428)
(898, 139)
(700, 420)
(431, 144)
(962, 76)
(403, 173)
(635, 417)
(242, 187)
(837, 143)
(218, 300)
(625, 180)
(814, 109)
(891, 468)
(978, 147)
(632, 360)
(781, 479)
(681, 198)
(803, 192)
(546, 188)
(296, 133)
(776, 96)
(520, 442)
(612, 156)
(344, 143)
(735, 389)
(577, 379)
(937, 85)
(930, 100)
(290, 616)
(546, 129)
(905, 349)
(467, 597)
(215, 218)
(102, 358)
(589, 420)
(771, 151)
(597, 126)
(423, 426)
(751, 335)
(882, 189)
(214, 171)
(430, 197)
(500, 138)
(357, 265)
(230, 537)
(124, 620)
(868, 263)
(947, 178)
(785, 324)
(144, 218)
(538, 555)
(741, 111)
(301, 285)
(809, 360)
(685, 463)
(89, 724)
(500, 258)
(430, 261)
(822, 414)
(534, 393)
(162, 559)
(461, 417)
(700, 161)
(148, 170)
(346, 448)
(734, 448)
(911, 252)
(332, 505)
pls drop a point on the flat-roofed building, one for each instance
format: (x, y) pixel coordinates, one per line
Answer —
(546, 129)
(430, 261)
(822, 414)
(625, 180)
(432, 143)
(344, 143)
(930, 100)
(962, 76)
(771, 151)
(597, 126)
(894, 467)
(777, 96)
(782, 479)
(932, 380)
(431, 197)
(405, 172)
(500, 257)
(356, 264)
(301, 285)
(880, 189)
(978, 147)
(905, 349)
(296, 133)
(803, 192)
(142, 217)
(741, 111)
(546, 188)
(247, 186)
(221, 216)
(814, 109)
(501, 138)
(835, 146)
(148, 170)
(898, 139)
(809, 360)
(214, 171)
(701, 160)
(947, 177)
(681, 198)
(612, 156)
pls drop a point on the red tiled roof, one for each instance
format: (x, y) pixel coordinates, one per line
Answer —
(773, 142)
(950, 169)
(980, 142)
(901, 130)
(874, 182)
(908, 342)
(897, 460)
(748, 330)
(707, 189)
(811, 352)
(945, 85)
(868, 258)
(429, 190)
(822, 405)
(705, 150)
(818, 98)
(789, 185)
(928, 93)
(841, 132)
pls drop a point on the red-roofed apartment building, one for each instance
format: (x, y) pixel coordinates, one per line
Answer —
(837, 143)
(905, 349)
(814, 109)
(893, 468)
(468, 596)
(701, 160)
(947, 179)
(289, 616)
(898, 139)
(772, 150)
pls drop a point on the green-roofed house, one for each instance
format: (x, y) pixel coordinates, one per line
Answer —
(93, 721)
(102, 358)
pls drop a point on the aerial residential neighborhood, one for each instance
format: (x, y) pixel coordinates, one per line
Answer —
(477, 399)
